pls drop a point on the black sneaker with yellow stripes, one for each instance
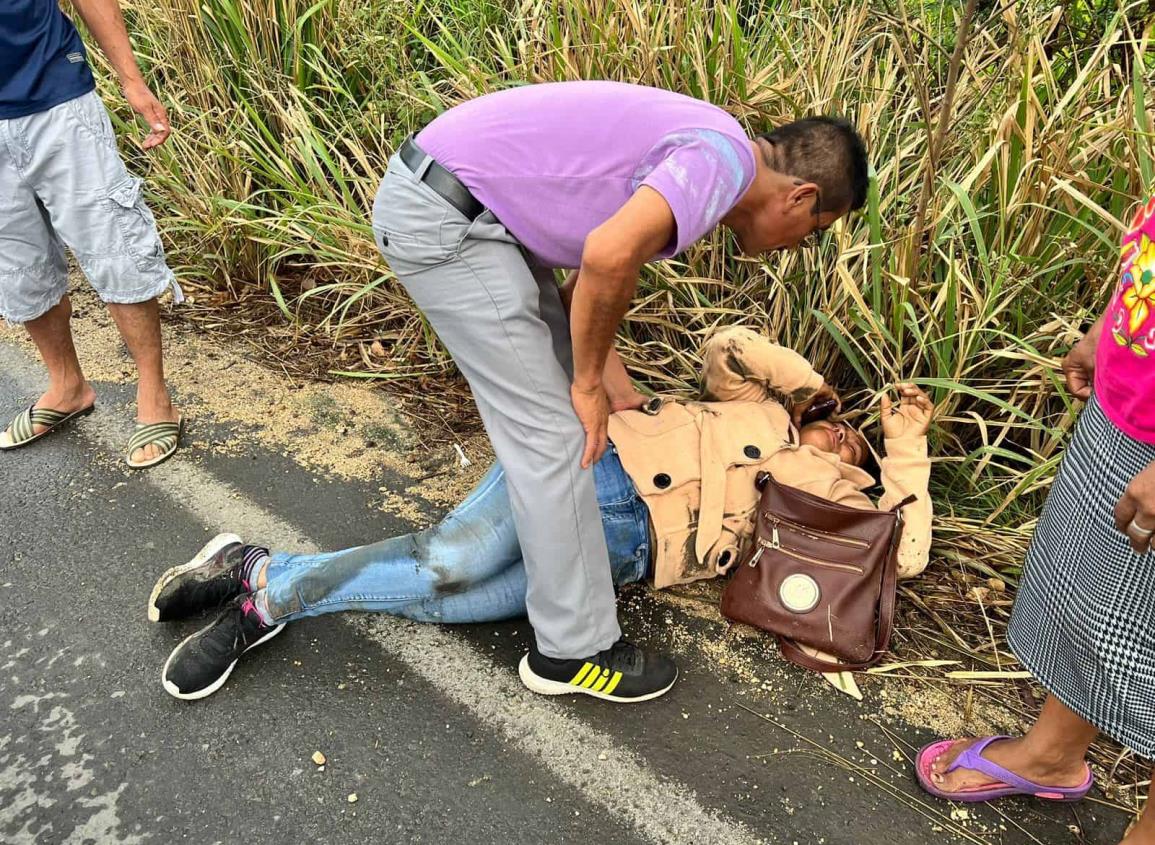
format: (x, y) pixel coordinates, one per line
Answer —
(623, 673)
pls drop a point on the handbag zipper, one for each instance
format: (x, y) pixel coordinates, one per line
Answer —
(846, 567)
(763, 545)
(816, 533)
(775, 543)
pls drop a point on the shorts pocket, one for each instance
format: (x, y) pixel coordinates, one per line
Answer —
(136, 224)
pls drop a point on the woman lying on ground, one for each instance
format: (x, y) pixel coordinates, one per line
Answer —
(677, 497)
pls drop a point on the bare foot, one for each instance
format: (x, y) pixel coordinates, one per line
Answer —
(64, 399)
(1013, 755)
(152, 409)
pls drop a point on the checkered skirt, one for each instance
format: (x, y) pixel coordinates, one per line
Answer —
(1084, 619)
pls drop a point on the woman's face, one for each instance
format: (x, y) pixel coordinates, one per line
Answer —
(837, 438)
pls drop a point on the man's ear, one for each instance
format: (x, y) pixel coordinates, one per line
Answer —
(802, 193)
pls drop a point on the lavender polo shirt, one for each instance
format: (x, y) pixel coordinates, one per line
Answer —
(554, 161)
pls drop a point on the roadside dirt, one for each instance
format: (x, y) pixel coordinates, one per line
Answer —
(344, 430)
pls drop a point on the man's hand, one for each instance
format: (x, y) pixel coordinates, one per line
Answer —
(593, 410)
(1135, 510)
(1079, 365)
(106, 23)
(144, 103)
(910, 417)
(631, 400)
(823, 394)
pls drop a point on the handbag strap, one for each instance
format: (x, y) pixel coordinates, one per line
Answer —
(909, 500)
(794, 653)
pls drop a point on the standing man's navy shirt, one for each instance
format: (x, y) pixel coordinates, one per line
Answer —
(42, 59)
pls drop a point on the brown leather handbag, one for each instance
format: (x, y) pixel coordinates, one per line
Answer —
(819, 574)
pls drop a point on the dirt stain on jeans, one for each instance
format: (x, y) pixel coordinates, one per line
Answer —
(446, 534)
(448, 583)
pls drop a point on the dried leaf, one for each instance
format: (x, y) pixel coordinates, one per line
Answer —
(844, 682)
(894, 667)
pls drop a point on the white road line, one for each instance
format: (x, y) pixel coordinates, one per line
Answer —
(661, 810)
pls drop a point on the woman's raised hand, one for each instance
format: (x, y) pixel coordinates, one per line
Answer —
(822, 394)
(912, 414)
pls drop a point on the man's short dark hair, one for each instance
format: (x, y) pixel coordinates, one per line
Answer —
(827, 151)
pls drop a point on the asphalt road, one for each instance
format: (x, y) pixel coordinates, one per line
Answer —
(427, 726)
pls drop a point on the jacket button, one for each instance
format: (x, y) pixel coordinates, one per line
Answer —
(661, 481)
(753, 452)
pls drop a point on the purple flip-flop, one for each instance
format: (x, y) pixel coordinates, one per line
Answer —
(1010, 783)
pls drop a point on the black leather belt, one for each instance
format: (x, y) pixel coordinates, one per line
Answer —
(444, 183)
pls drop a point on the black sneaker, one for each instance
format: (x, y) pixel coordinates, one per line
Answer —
(201, 664)
(623, 672)
(207, 582)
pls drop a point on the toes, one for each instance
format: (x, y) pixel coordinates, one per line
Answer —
(942, 762)
(145, 453)
(952, 753)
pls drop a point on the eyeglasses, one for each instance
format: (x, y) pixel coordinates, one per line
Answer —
(815, 236)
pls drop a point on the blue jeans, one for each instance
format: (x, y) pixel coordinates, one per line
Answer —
(467, 568)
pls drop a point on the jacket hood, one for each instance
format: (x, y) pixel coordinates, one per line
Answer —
(860, 478)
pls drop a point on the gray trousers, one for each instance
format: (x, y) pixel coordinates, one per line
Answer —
(502, 320)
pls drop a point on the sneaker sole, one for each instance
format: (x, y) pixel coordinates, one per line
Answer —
(544, 686)
(203, 556)
(175, 692)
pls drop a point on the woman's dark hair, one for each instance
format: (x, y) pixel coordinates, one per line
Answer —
(827, 151)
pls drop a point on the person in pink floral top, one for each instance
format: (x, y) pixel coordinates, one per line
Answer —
(1084, 619)
(1125, 375)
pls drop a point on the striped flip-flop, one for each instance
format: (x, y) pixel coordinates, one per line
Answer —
(22, 430)
(164, 435)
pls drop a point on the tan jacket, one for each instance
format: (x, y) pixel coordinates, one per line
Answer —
(694, 463)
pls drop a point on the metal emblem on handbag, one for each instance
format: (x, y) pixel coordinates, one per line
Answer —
(818, 574)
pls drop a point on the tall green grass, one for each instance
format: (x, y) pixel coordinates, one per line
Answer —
(286, 111)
